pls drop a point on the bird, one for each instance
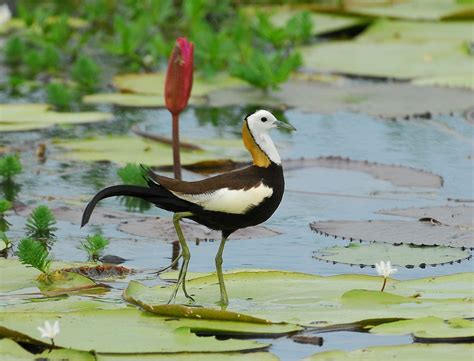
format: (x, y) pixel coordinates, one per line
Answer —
(226, 202)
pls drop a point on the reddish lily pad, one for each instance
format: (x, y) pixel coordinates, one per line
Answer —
(460, 216)
(397, 232)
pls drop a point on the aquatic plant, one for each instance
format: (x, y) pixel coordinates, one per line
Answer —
(33, 254)
(10, 166)
(40, 224)
(14, 50)
(59, 95)
(385, 270)
(7, 244)
(133, 174)
(179, 82)
(266, 71)
(85, 72)
(49, 331)
(94, 246)
(4, 207)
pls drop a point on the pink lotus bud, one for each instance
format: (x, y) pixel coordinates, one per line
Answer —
(179, 78)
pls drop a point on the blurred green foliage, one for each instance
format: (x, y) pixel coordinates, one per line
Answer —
(136, 36)
(10, 166)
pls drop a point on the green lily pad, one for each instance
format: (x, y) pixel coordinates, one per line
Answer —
(322, 23)
(403, 255)
(414, 352)
(134, 100)
(416, 32)
(432, 329)
(207, 320)
(11, 351)
(154, 83)
(109, 331)
(315, 300)
(195, 356)
(129, 149)
(414, 9)
(393, 59)
(63, 282)
(451, 81)
(460, 216)
(22, 117)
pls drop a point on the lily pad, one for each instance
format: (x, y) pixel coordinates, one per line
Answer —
(11, 351)
(109, 331)
(129, 149)
(390, 59)
(386, 99)
(398, 175)
(404, 255)
(64, 282)
(314, 300)
(416, 32)
(154, 83)
(414, 9)
(207, 320)
(134, 100)
(397, 232)
(414, 352)
(430, 329)
(460, 216)
(195, 356)
(451, 81)
(163, 229)
(19, 117)
(322, 23)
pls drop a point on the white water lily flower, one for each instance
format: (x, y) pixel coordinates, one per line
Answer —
(385, 269)
(48, 330)
(5, 14)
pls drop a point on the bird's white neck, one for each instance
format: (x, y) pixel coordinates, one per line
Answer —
(265, 143)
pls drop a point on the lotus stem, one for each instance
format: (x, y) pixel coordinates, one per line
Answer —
(176, 157)
(384, 284)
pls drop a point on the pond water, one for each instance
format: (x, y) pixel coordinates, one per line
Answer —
(441, 145)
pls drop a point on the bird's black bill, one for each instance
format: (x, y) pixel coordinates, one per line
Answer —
(283, 125)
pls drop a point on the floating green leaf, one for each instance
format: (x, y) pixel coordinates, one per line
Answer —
(11, 351)
(414, 352)
(321, 301)
(154, 83)
(63, 282)
(135, 100)
(403, 255)
(19, 117)
(391, 59)
(109, 331)
(207, 320)
(432, 329)
(127, 149)
(322, 23)
(195, 356)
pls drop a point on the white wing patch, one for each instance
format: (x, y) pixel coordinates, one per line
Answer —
(236, 201)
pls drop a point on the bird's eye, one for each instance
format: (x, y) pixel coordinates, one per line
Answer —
(263, 119)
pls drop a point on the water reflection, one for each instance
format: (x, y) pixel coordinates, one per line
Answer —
(10, 190)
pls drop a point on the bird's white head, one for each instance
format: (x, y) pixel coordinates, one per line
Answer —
(258, 124)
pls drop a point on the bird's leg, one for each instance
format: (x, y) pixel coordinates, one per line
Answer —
(224, 299)
(175, 261)
(185, 253)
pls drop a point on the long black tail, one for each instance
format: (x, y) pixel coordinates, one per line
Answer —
(144, 193)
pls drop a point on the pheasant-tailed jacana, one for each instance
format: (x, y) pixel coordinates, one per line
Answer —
(227, 202)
